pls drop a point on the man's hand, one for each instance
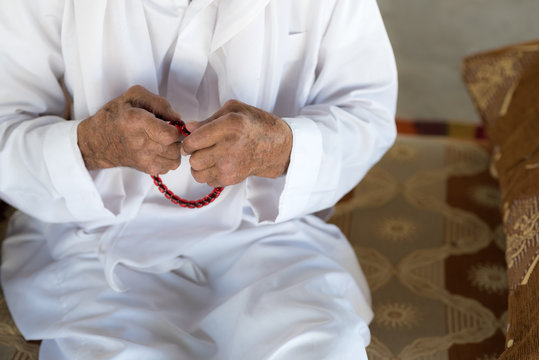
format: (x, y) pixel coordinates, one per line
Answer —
(236, 142)
(128, 131)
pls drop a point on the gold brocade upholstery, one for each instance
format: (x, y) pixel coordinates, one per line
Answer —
(427, 231)
(505, 87)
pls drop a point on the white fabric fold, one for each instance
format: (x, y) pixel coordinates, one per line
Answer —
(234, 16)
(96, 247)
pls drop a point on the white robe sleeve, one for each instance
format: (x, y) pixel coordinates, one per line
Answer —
(41, 169)
(348, 124)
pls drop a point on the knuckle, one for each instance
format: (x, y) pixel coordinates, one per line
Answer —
(155, 149)
(135, 89)
(236, 123)
(226, 167)
(149, 152)
(151, 170)
(187, 144)
(158, 170)
(195, 163)
(162, 103)
(226, 179)
(155, 168)
(173, 151)
(232, 104)
(147, 168)
(198, 176)
(137, 142)
(144, 159)
(131, 116)
(111, 109)
(170, 134)
(228, 173)
(240, 119)
(176, 164)
(164, 169)
(235, 133)
(235, 117)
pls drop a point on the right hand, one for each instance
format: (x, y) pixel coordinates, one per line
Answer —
(130, 131)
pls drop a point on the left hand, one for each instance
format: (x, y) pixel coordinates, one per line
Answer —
(236, 142)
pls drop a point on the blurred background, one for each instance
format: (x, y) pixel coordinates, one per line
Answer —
(431, 37)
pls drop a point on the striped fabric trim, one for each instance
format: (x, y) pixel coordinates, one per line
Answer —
(440, 127)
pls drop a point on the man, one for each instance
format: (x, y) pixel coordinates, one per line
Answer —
(289, 103)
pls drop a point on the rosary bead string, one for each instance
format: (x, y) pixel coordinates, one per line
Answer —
(175, 199)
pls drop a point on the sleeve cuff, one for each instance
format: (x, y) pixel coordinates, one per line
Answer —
(281, 199)
(67, 171)
(304, 167)
(302, 174)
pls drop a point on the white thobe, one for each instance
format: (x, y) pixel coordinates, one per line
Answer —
(101, 266)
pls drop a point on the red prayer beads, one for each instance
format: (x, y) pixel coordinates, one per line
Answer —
(191, 204)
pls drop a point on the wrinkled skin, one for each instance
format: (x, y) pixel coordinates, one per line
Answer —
(236, 142)
(128, 131)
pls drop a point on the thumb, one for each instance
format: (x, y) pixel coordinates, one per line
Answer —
(194, 125)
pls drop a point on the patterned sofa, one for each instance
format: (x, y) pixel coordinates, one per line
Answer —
(427, 228)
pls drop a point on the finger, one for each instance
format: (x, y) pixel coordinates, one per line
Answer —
(140, 97)
(171, 152)
(229, 106)
(136, 119)
(206, 136)
(168, 164)
(207, 176)
(215, 183)
(204, 159)
(160, 131)
(193, 125)
(160, 165)
(215, 176)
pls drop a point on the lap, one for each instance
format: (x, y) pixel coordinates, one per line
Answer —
(280, 297)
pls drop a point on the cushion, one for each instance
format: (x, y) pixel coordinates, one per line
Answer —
(504, 84)
(426, 227)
